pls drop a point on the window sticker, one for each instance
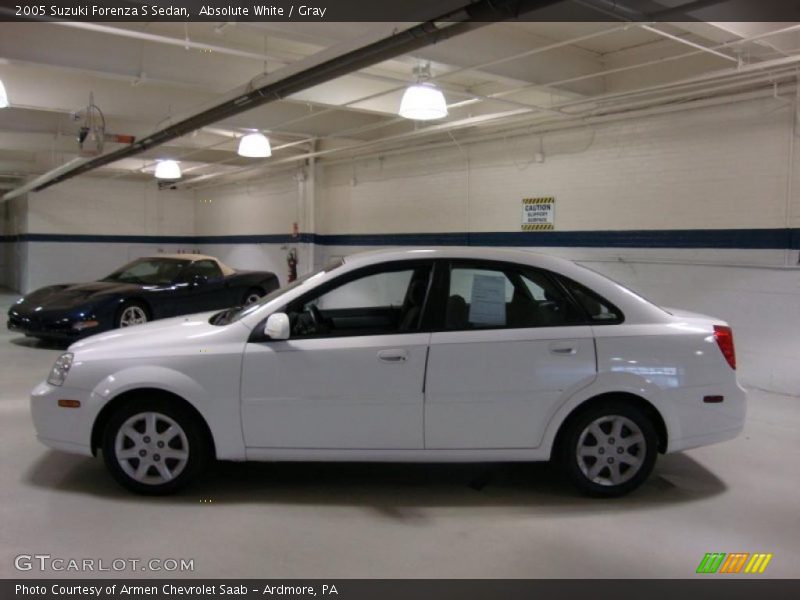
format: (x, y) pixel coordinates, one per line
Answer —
(488, 300)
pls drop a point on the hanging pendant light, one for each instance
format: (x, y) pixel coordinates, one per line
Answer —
(423, 101)
(168, 169)
(255, 145)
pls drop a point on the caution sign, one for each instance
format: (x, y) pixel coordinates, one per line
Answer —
(538, 214)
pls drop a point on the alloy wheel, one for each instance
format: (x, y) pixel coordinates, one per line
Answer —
(151, 448)
(132, 315)
(611, 450)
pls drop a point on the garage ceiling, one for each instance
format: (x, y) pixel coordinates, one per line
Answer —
(506, 75)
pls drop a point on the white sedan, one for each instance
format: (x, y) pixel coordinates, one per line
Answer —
(460, 354)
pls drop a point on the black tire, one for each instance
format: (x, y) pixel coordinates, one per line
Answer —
(134, 306)
(619, 464)
(250, 294)
(194, 442)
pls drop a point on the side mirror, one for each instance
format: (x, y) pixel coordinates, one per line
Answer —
(277, 327)
(199, 280)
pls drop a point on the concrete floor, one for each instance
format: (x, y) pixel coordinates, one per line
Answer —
(327, 521)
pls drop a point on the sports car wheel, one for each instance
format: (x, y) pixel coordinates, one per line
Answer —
(609, 450)
(132, 313)
(153, 448)
(252, 296)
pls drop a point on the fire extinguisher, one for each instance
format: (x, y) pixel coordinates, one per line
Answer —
(291, 260)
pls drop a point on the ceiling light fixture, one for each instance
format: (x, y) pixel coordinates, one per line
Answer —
(3, 96)
(423, 101)
(168, 169)
(255, 145)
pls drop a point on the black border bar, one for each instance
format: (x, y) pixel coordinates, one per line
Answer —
(391, 10)
(709, 586)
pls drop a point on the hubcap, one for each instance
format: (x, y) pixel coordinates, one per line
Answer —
(611, 450)
(133, 315)
(151, 448)
(251, 299)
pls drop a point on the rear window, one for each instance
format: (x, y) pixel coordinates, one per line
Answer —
(627, 289)
(599, 310)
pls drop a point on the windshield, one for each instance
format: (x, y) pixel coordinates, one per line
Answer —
(238, 312)
(150, 271)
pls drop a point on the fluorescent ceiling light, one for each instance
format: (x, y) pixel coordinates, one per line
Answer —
(3, 96)
(255, 145)
(423, 102)
(168, 169)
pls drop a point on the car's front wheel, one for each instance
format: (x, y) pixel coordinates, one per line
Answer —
(609, 449)
(154, 447)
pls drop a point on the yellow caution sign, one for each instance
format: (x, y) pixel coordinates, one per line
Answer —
(538, 214)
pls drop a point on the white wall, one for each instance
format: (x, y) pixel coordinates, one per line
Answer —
(712, 168)
(242, 216)
(138, 216)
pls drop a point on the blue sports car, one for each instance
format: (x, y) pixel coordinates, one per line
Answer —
(154, 287)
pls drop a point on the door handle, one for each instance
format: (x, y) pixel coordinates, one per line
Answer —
(562, 349)
(392, 355)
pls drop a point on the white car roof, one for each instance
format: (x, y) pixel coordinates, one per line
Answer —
(635, 308)
(466, 252)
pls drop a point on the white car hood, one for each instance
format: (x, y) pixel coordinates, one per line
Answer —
(162, 333)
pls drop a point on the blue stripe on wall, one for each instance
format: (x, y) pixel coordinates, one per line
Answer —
(747, 239)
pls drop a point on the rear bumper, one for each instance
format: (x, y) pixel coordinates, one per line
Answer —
(702, 424)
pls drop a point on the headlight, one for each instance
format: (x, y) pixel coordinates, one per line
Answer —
(59, 371)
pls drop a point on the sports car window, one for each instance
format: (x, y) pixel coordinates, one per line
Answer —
(149, 271)
(206, 268)
(505, 297)
(383, 302)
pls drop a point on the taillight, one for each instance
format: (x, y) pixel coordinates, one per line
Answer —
(724, 336)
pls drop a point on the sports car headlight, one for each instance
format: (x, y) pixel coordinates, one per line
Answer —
(59, 371)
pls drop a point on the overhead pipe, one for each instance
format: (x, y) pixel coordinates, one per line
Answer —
(754, 79)
(559, 107)
(514, 121)
(451, 24)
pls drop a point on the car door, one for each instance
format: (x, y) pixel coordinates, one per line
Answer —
(351, 374)
(513, 345)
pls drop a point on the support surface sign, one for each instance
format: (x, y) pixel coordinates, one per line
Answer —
(538, 214)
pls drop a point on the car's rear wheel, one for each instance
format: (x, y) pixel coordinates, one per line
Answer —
(252, 296)
(154, 447)
(132, 313)
(609, 449)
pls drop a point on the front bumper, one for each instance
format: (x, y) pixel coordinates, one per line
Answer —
(53, 327)
(66, 429)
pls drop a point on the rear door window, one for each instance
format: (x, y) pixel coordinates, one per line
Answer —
(488, 296)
